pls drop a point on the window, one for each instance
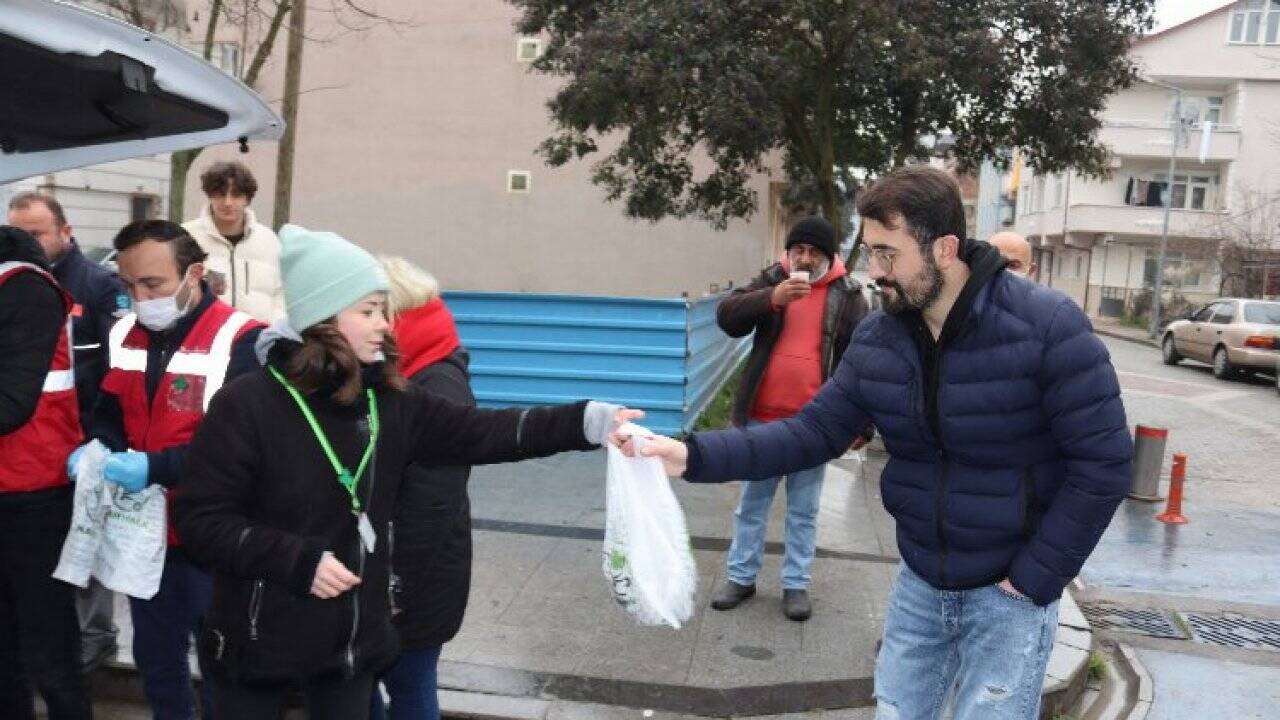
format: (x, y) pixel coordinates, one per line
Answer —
(1190, 192)
(1262, 313)
(1204, 314)
(1213, 105)
(142, 207)
(1256, 21)
(528, 49)
(518, 181)
(1223, 313)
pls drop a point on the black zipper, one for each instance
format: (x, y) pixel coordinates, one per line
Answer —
(393, 581)
(935, 424)
(255, 607)
(360, 551)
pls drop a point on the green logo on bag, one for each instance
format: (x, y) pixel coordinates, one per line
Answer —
(617, 560)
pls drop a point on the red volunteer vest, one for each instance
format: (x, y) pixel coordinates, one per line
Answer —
(34, 457)
(193, 375)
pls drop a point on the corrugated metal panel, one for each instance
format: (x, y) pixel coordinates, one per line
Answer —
(664, 356)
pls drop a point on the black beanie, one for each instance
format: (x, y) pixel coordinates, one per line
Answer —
(815, 231)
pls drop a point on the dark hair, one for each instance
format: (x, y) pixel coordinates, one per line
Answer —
(327, 361)
(223, 176)
(927, 199)
(22, 201)
(185, 249)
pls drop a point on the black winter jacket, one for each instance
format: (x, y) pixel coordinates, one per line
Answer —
(32, 316)
(100, 300)
(748, 309)
(431, 551)
(261, 505)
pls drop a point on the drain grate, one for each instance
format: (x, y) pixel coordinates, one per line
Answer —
(1152, 623)
(1234, 631)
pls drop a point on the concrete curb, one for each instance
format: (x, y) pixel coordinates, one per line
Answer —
(1068, 670)
(1124, 336)
(1137, 674)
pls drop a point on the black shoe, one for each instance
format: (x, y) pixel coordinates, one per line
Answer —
(731, 594)
(796, 605)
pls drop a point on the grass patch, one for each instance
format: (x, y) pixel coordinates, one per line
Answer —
(719, 412)
(1097, 665)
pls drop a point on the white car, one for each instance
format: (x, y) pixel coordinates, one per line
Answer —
(79, 88)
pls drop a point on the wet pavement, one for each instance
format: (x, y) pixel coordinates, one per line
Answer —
(1224, 565)
(1193, 687)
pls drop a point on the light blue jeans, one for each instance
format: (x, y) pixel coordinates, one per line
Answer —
(804, 491)
(982, 651)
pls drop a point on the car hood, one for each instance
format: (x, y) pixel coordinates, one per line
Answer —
(79, 88)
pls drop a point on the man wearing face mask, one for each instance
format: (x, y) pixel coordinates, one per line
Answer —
(1016, 252)
(168, 358)
(803, 310)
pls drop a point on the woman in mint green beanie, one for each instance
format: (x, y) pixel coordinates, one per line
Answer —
(292, 480)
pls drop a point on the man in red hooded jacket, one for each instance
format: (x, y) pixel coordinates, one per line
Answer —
(803, 311)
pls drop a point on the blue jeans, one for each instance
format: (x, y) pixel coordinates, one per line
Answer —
(804, 491)
(411, 683)
(162, 629)
(984, 649)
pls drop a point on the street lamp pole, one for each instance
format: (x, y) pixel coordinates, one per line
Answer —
(1168, 205)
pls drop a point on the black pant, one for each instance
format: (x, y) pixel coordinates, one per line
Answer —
(335, 700)
(39, 629)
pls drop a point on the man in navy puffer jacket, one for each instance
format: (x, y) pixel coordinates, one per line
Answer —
(1009, 452)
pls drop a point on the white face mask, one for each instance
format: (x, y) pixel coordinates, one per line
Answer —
(162, 313)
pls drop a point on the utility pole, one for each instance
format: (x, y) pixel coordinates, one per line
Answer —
(292, 84)
(1168, 205)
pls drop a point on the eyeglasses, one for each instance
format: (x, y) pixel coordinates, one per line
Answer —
(883, 257)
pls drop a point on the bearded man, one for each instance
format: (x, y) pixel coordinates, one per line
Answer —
(1008, 448)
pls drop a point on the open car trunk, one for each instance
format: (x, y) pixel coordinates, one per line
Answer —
(79, 88)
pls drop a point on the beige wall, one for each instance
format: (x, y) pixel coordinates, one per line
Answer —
(405, 140)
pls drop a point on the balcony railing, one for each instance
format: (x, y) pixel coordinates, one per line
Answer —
(1151, 139)
(1122, 220)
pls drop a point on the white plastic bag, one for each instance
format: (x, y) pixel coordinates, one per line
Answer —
(80, 550)
(117, 537)
(134, 540)
(647, 558)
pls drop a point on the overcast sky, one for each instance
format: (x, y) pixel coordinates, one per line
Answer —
(1172, 12)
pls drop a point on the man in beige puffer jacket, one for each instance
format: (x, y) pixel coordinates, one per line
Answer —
(244, 253)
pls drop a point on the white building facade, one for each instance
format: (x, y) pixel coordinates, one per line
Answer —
(1098, 240)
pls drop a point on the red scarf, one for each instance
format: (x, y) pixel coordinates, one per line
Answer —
(425, 335)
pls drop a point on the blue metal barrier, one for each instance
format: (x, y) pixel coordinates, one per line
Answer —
(664, 356)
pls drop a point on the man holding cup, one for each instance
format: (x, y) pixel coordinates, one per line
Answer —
(803, 310)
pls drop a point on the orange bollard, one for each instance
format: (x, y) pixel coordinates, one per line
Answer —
(1173, 509)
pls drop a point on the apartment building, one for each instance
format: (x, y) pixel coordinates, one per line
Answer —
(1098, 240)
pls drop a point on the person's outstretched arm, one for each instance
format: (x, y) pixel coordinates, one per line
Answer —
(823, 429)
(445, 433)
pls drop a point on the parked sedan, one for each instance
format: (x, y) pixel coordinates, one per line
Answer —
(1234, 335)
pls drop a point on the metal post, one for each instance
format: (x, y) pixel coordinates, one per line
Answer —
(1168, 205)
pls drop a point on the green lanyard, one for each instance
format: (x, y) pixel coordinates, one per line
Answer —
(345, 477)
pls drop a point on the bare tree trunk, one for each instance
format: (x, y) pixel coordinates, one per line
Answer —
(180, 162)
(292, 83)
(179, 166)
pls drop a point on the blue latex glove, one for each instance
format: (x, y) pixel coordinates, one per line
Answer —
(128, 470)
(74, 459)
